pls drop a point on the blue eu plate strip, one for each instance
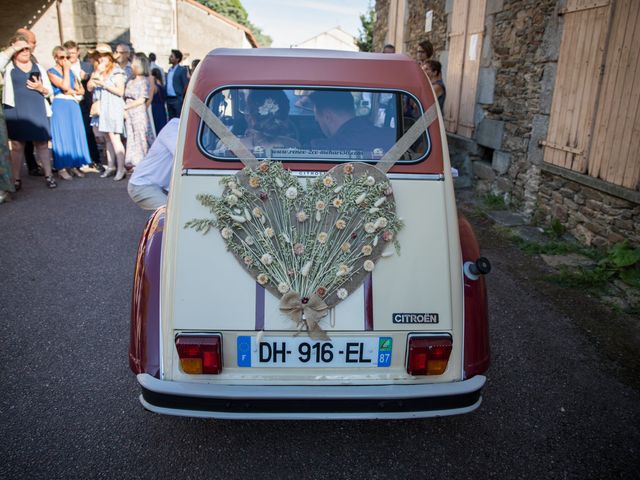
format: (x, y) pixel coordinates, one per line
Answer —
(244, 351)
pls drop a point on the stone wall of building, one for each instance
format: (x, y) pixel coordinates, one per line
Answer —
(154, 33)
(515, 80)
(414, 29)
(200, 32)
(47, 33)
(382, 25)
(417, 22)
(83, 22)
(113, 22)
(591, 215)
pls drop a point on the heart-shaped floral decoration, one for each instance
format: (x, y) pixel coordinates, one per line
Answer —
(312, 247)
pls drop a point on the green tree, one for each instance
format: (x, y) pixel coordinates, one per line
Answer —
(235, 11)
(368, 21)
(229, 8)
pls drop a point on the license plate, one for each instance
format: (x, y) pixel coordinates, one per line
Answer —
(301, 352)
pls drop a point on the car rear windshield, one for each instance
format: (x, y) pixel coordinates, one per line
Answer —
(305, 124)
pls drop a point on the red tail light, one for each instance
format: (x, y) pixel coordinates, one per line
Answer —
(428, 355)
(199, 354)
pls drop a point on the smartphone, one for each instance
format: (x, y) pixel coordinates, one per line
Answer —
(35, 76)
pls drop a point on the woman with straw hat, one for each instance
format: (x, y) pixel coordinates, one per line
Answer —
(107, 112)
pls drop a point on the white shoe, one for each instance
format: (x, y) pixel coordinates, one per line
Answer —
(107, 172)
(120, 175)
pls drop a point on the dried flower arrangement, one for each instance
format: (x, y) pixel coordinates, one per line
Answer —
(313, 246)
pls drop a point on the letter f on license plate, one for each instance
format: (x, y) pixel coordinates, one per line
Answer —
(294, 352)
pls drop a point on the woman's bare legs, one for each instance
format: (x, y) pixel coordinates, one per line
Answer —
(109, 153)
(118, 147)
(43, 155)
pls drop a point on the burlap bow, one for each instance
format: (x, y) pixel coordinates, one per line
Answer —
(306, 313)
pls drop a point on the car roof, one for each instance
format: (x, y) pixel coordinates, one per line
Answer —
(293, 66)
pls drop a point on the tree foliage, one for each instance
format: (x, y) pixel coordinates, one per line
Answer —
(235, 11)
(365, 38)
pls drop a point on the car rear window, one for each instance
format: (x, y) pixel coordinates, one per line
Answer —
(304, 124)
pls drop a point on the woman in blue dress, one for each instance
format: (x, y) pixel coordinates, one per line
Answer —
(70, 148)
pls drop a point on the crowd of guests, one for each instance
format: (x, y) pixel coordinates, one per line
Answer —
(77, 113)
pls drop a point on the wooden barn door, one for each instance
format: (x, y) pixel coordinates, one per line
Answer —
(577, 83)
(615, 148)
(465, 47)
(457, 40)
(594, 126)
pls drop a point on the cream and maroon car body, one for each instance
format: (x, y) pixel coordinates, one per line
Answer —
(187, 286)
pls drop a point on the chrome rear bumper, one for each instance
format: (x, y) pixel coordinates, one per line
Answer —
(303, 402)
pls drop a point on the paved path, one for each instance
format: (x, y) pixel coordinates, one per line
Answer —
(68, 408)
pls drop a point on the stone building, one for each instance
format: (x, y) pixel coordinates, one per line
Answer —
(542, 103)
(149, 25)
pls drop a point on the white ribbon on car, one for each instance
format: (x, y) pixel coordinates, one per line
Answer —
(409, 138)
(224, 134)
(249, 160)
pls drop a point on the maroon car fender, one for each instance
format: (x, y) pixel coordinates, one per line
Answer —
(476, 317)
(144, 345)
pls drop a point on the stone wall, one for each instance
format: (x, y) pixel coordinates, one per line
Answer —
(416, 33)
(83, 18)
(48, 35)
(382, 25)
(200, 32)
(594, 217)
(414, 29)
(516, 73)
(154, 33)
(113, 23)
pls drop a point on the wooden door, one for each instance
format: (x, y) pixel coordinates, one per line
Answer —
(615, 149)
(594, 126)
(457, 44)
(471, 68)
(577, 83)
(465, 46)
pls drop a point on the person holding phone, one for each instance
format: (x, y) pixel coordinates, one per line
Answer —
(26, 109)
(107, 84)
(70, 149)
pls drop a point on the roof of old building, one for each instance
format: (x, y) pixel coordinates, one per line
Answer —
(248, 33)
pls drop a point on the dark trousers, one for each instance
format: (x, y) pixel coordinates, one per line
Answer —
(30, 156)
(174, 106)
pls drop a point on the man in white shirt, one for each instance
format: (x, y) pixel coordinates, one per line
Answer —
(177, 81)
(76, 67)
(149, 184)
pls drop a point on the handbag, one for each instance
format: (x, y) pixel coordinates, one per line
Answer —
(94, 111)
